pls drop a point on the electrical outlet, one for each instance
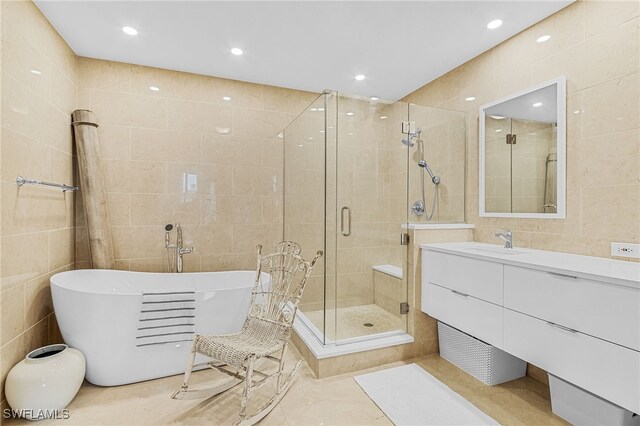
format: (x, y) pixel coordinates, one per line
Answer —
(625, 250)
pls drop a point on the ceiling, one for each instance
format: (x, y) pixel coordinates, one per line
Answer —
(309, 45)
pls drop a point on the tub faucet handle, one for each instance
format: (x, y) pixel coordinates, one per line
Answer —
(187, 250)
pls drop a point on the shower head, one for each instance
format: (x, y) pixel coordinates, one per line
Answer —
(167, 239)
(435, 179)
(411, 136)
(408, 142)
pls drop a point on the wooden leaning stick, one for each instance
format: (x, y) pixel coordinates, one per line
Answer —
(93, 192)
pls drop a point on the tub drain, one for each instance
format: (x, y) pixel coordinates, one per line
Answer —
(368, 324)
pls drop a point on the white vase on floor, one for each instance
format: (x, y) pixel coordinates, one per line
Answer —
(45, 381)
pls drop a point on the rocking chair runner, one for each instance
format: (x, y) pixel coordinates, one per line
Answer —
(266, 331)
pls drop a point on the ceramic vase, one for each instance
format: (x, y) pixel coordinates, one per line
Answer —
(45, 382)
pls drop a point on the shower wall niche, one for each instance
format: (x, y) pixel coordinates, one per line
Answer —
(348, 184)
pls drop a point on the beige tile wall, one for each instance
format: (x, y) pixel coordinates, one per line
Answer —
(184, 154)
(39, 91)
(596, 45)
(444, 138)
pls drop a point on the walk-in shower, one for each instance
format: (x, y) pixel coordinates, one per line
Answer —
(348, 182)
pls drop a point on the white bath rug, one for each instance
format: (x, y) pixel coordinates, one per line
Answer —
(410, 396)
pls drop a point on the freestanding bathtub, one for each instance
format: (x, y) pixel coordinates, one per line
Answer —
(98, 312)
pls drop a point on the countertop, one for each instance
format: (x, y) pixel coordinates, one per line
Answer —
(612, 271)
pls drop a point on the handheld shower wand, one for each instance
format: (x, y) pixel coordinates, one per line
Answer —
(167, 235)
(419, 207)
(435, 179)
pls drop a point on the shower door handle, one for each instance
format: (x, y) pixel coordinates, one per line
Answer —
(342, 231)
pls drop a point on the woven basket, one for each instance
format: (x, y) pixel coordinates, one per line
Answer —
(483, 361)
(580, 407)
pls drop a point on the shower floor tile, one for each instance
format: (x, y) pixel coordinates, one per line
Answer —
(352, 320)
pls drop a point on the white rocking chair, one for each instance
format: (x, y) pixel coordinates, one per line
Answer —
(266, 332)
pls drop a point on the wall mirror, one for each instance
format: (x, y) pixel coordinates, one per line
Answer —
(522, 153)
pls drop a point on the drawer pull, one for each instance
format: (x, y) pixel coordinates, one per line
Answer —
(562, 275)
(459, 293)
(562, 327)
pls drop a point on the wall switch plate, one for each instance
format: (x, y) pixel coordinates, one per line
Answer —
(625, 250)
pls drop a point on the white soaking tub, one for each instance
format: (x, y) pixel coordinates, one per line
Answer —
(98, 313)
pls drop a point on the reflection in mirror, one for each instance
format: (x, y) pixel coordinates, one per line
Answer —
(521, 139)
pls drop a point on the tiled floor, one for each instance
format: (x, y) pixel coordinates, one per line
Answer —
(351, 321)
(335, 400)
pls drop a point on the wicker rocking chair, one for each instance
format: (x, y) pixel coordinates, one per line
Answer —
(264, 335)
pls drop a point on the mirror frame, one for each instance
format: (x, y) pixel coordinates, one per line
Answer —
(561, 104)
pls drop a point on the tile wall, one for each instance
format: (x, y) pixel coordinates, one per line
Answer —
(184, 153)
(38, 93)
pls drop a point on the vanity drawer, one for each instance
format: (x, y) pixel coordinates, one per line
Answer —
(603, 368)
(478, 278)
(607, 311)
(482, 320)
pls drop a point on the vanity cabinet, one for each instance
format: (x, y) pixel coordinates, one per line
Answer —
(574, 321)
(480, 319)
(606, 311)
(605, 369)
(476, 278)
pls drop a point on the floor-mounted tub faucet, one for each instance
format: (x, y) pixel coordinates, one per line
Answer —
(180, 250)
(177, 250)
(507, 236)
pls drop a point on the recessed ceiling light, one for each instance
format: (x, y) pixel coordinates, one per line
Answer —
(543, 38)
(497, 117)
(321, 131)
(130, 31)
(349, 113)
(154, 88)
(499, 130)
(494, 24)
(360, 77)
(576, 111)
(374, 98)
(223, 130)
(236, 51)
(320, 109)
(36, 72)
(313, 109)
(383, 117)
(537, 104)
(470, 98)
(226, 98)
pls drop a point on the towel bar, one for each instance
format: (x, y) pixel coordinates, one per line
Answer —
(22, 181)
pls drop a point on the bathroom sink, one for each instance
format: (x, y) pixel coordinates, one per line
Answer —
(498, 250)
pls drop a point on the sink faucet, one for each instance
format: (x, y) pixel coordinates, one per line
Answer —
(180, 250)
(507, 236)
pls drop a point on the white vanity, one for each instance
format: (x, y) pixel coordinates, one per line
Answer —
(577, 317)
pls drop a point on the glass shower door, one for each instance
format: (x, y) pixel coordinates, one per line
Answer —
(306, 179)
(370, 208)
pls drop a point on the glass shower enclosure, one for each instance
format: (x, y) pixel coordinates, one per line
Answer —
(347, 178)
